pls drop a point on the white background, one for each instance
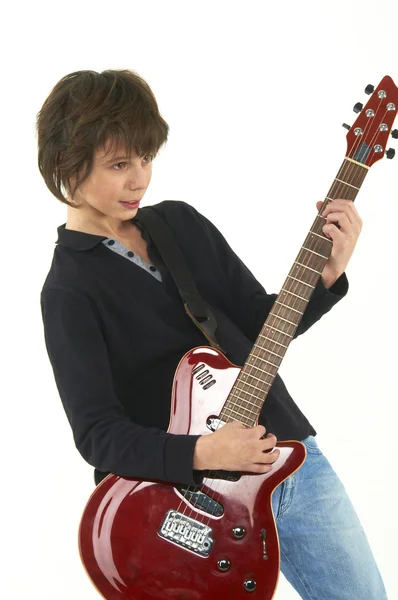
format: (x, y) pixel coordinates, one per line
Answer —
(255, 94)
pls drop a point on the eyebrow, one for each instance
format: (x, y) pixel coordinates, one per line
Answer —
(115, 158)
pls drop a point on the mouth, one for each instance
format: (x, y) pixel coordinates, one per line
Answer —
(134, 204)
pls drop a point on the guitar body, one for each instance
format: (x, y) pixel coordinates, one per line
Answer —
(133, 546)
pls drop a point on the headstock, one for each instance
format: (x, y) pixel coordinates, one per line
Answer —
(368, 136)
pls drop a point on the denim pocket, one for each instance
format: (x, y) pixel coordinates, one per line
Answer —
(311, 444)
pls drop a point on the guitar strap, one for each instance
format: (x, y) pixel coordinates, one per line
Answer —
(194, 305)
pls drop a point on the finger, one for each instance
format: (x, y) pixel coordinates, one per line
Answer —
(352, 230)
(268, 458)
(271, 438)
(237, 424)
(342, 219)
(333, 208)
(260, 468)
(268, 443)
(347, 206)
(260, 430)
(332, 232)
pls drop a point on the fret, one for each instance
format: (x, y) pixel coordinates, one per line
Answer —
(297, 296)
(295, 278)
(241, 417)
(289, 307)
(282, 332)
(305, 267)
(238, 413)
(258, 379)
(351, 176)
(270, 363)
(271, 340)
(313, 252)
(270, 351)
(262, 370)
(282, 319)
(229, 419)
(345, 183)
(252, 394)
(267, 361)
(251, 385)
(357, 163)
(321, 236)
(350, 173)
(240, 399)
(321, 217)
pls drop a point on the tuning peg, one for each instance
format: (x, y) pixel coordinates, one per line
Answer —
(358, 107)
(369, 89)
(395, 134)
(390, 153)
(346, 126)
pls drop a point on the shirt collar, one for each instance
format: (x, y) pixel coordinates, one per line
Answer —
(79, 240)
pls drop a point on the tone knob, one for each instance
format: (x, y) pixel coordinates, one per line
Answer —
(346, 126)
(223, 564)
(249, 585)
(390, 153)
(358, 107)
(395, 134)
(238, 532)
(369, 89)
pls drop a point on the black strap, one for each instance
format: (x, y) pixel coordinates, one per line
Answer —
(194, 305)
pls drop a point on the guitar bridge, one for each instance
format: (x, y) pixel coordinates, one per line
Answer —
(186, 533)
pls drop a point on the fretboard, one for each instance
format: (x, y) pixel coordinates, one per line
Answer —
(257, 375)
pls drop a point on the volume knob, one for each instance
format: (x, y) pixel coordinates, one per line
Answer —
(238, 532)
(223, 564)
(249, 585)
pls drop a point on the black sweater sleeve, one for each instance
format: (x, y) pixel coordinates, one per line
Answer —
(103, 433)
(250, 304)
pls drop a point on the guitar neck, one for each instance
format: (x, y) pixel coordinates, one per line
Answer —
(250, 390)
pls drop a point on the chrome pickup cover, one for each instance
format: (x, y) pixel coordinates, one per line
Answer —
(187, 533)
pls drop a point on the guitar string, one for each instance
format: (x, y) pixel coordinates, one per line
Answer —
(238, 396)
(349, 171)
(234, 403)
(336, 193)
(219, 481)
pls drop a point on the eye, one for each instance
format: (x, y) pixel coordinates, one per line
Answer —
(124, 163)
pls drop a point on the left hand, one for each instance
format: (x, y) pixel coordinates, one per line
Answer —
(344, 237)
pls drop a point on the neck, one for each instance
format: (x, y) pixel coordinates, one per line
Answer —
(98, 224)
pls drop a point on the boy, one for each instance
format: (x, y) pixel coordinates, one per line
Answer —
(115, 328)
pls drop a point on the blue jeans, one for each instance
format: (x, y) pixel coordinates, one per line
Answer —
(325, 554)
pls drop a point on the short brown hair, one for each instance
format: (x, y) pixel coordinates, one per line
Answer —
(83, 112)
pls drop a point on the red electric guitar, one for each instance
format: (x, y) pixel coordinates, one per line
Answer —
(147, 540)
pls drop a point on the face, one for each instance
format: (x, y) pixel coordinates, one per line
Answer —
(114, 179)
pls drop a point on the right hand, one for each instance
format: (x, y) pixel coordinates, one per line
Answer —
(235, 447)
